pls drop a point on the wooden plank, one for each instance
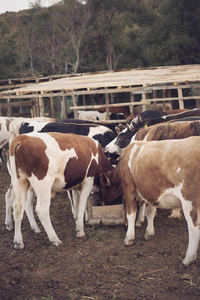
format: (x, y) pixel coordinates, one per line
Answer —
(17, 104)
(108, 211)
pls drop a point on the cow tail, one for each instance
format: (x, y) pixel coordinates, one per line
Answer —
(198, 215)
(14, 178)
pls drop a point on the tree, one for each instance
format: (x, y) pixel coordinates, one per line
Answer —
(174, 36)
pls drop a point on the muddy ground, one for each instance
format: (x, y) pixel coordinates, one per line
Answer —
(99, 267)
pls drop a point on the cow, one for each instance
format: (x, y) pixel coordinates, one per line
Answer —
(53, 162)
(9, 128)
(93, 115)
(164, 131)
(4, 133)
(100, 133)
(149, 117)
(176, 130)
(111, 126)
(138, 109)
(163, 174)
(146, 118)
(115, 110)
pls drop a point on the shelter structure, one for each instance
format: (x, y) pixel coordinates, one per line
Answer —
(141, 86)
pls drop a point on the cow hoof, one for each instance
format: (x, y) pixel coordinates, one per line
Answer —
(138, 224)
(9, 227)
(148, 237)
(57, 243)
(18, 246)
(79, 235)
(128, 242)
(182, 267)
(36, 230)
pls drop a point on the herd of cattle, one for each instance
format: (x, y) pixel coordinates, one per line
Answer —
(157, 167)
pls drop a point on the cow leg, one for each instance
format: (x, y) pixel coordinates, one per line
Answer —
(75, 195)
(29, 212)
(194, 234)
(43, 211)
(86, 189)
(9, 198)
(18, 211)
(150, 213)
(69, 194)
(131, 210)
(141, 215)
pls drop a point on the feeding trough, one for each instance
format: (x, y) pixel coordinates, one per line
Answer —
(107, 215)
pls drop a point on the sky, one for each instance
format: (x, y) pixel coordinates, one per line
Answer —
(16, 5)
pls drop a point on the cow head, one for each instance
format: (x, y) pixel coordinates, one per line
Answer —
(122, 140)
(111, 189)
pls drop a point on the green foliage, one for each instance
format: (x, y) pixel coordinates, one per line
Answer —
(70, 37)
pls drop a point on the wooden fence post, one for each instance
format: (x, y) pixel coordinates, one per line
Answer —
(131, 106)
(9, 109)
(107, 107)
(63, 107)
(74, 98)
(41, 106)
(52, 106)
(180, 96)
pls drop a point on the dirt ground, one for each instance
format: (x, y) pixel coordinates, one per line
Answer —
(99, 267)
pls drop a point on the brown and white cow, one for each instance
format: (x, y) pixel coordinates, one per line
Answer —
(164, 131)
(166, 174)
(52, 162)
(98, 132)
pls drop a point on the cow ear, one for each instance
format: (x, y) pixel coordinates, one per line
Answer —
(118, 130)
(105, 181)
(129, 119)
(139, 119)
(147, 122)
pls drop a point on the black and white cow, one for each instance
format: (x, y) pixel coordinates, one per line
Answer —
(98, 132)
(152, 117)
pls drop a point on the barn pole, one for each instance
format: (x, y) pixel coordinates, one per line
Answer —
(107, 107)
(198, 100)
(84, 100)
(131, 106)
(41, 106)
(180, 96)
(74, 99)
(144, 98)
(164, 102)
(52, 106)
(63, 107)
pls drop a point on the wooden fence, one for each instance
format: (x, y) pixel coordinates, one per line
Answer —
(44, 104)
(179, 85)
